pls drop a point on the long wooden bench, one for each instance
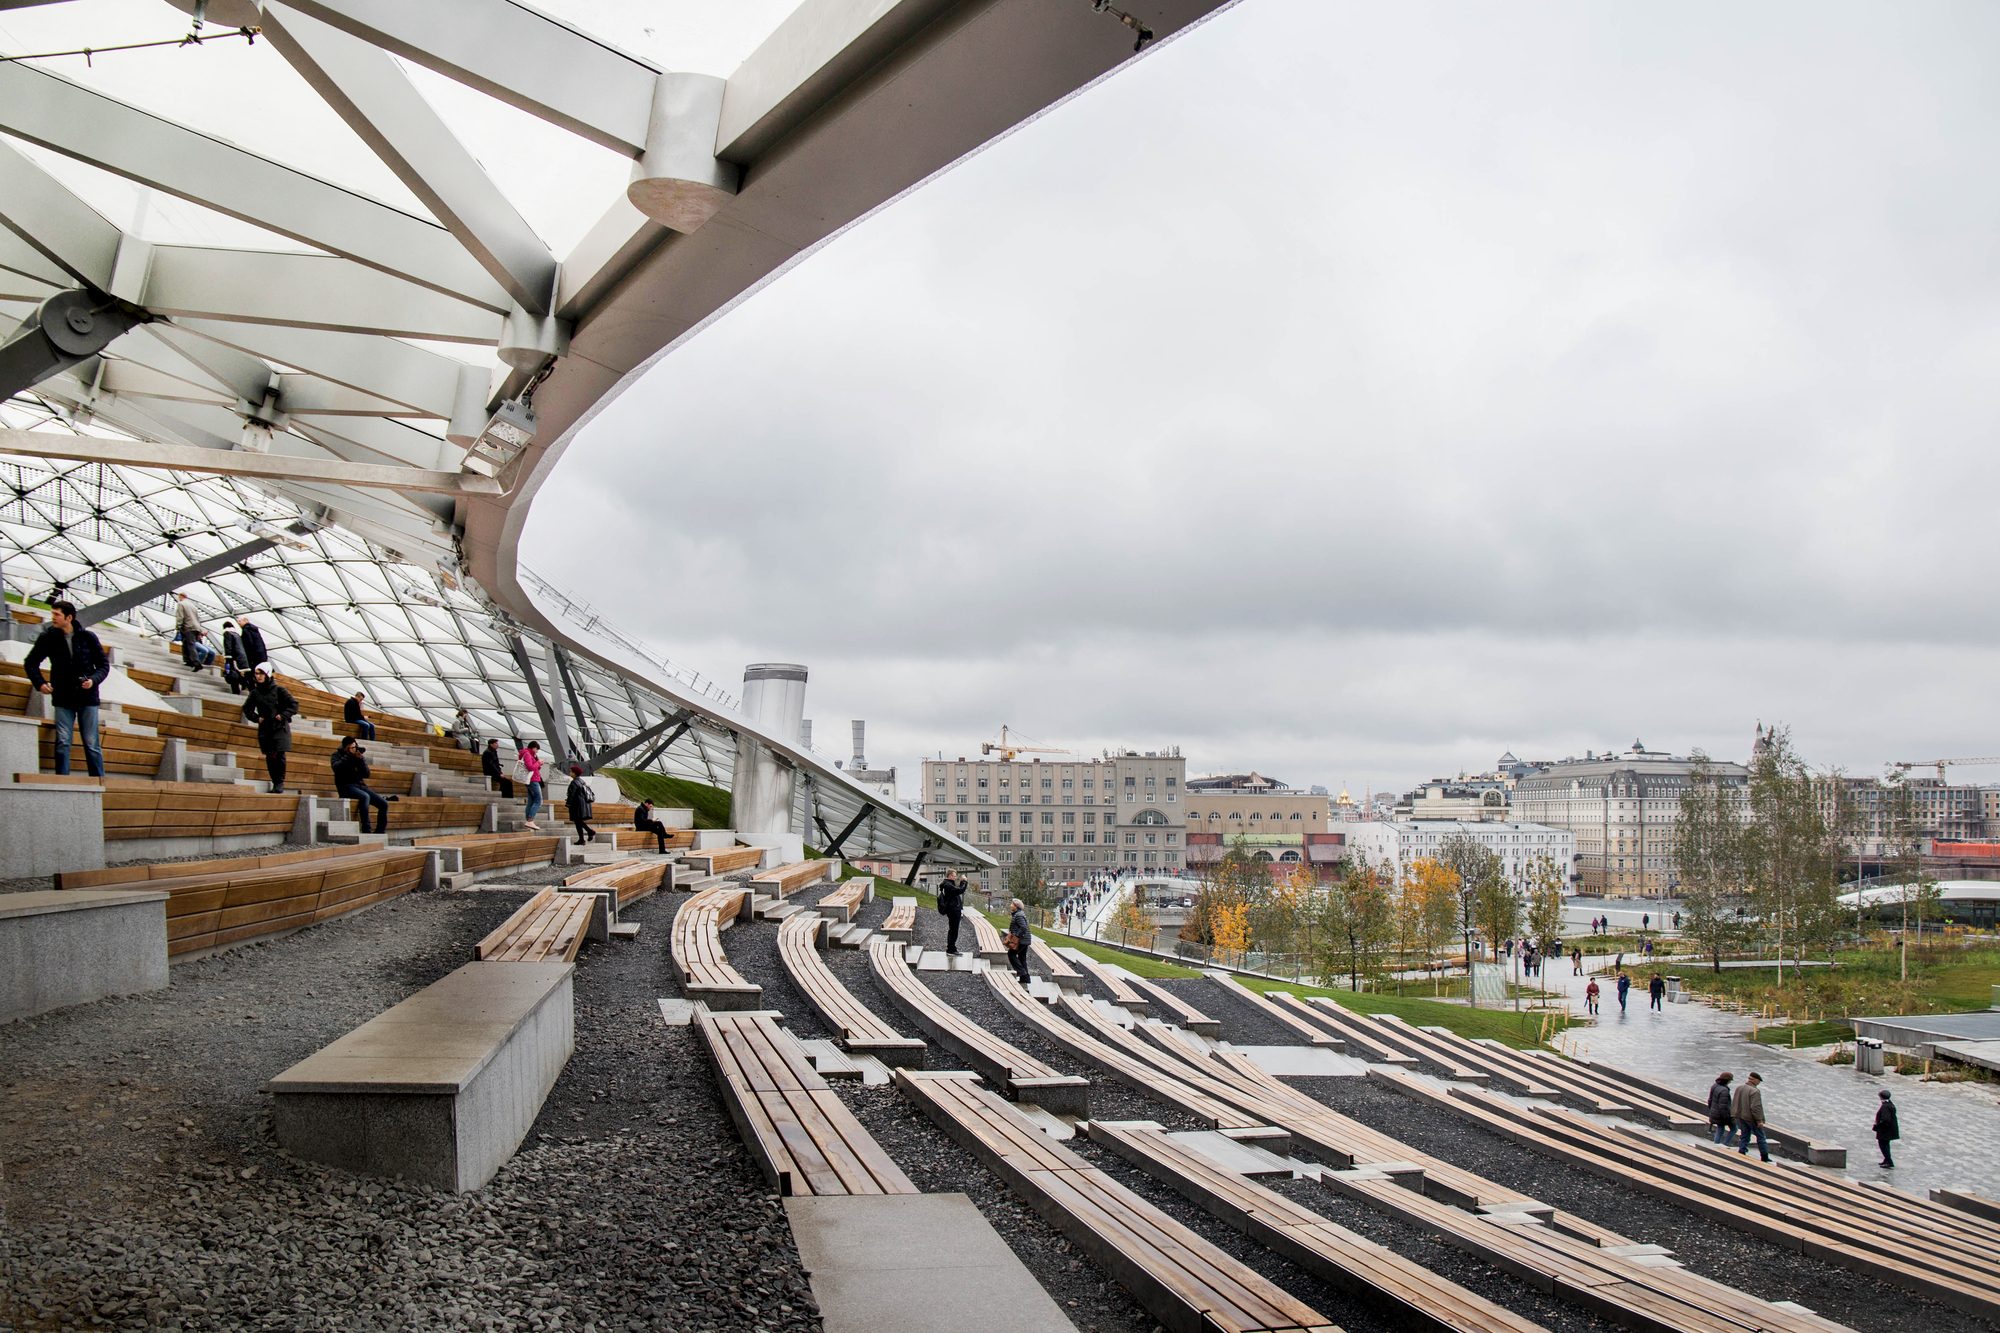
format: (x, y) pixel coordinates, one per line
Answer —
(137, 808)
(227, 901)
(1680, 1110)
(1410, 1294)
(858, 1027)
(550, 927)
(801, 1133)
(901, 923)
(390, 728)
(695, 946)
(634, 840)
(1180, 1278)
(1362, 1037)
(1058, 967)
(788, 879)
(1271, 1009)
(1123, 993)
(986, 940)
(632, 880)
(722, 860)
(843, 902)
(1170, 1005)
(1021, 1075)
(481, 853)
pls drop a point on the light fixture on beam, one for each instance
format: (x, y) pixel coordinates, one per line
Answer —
(509, 430)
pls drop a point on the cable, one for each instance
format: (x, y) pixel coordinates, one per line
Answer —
(193, 38)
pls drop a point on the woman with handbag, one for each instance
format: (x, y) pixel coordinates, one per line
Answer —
(530, 771)
(580, 802)
(1017, 939)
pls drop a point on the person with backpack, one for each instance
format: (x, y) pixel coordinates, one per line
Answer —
(78, 665)
(528, 770)
(271, 706)
(1887, 1130)
(350, 780)
(581, 801)
(951, 902)
(1720, 1121)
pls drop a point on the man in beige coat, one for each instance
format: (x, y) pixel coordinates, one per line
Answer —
(1748, 1107)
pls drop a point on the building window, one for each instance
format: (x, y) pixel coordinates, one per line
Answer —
(1069, 837)
(1048, 837)
(986, 816)
(1048, 784)
(1048, 817)
(1131, 839)
(962, 819)
(1069, 816)
(1006, 818)
(1088, 836)
(1069, 784)
(1006, 836)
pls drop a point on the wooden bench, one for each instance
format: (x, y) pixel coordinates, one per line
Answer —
(1020, 1074)
(441, 1088)
(482, 853)
(143, 808)
(632, 880)
(722, 860)
(843, 902)
(1057, 966)
(1410, 1294)
(226, 901)
(633, 840)
(790, 879)
(986, 940)
(125, 753)
(695, 946)
(856, 1025)
(1271, 1009)
(549, 927)
(801, 1133)
(901, 923)
(1123, 993)
(1180, 1278)
(1680, 1110)
(1170, 1005)
(1363, 1038)
(159, 682)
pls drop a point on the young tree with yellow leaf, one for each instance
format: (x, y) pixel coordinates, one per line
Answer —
(1431, 898)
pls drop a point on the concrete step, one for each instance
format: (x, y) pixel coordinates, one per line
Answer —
(829, 1060)
(211, 773)
(350, 834)
(625, 930)
(849, 937)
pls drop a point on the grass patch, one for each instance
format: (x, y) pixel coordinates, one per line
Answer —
(36, 603)
(1523, 1031)
(1142, 965)
(1823, 1033)
(710, 804)
(1944, 978)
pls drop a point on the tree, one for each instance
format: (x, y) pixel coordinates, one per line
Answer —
(1474, 866)
(1131, 921)
(1794, 846)
(1430, 900)
(1710, 843)
(1916, 888)
(1496, 904)
(1355, 917)
(1025, 881)
(1233, 884)
(1545, 901)
(1232, 928)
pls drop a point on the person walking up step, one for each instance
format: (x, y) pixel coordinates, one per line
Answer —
(1748, 1108)
(528, 768)
(1018, 939)
(271, 706)
(78, 665)
(1887, 1131)
(188, 621)
(253, 645)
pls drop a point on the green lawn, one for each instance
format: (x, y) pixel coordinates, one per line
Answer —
(1942, 979)
(710, 804)
(1522, 1030)
(1823, 1033)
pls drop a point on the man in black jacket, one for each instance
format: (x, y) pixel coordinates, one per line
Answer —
(364, 730)
(1887, 1131)
(253, 645)
(77, 667)
(350, 780)
(489, 764)
(951, 901)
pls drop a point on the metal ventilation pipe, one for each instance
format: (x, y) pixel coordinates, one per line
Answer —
(761, 790)
(860, 748)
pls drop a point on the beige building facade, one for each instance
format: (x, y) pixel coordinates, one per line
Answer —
(1079, 817)
(1230, 810)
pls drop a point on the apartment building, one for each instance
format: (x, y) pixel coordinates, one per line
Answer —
(1397, 843)
(1246, 803)
(1125, 810)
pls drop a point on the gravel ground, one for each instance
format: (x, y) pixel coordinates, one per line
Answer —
(1243, 1023)
(1705, 1246)
(143, 1188)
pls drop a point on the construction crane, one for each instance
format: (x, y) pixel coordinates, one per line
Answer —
(1903, 766)
(1007, 749)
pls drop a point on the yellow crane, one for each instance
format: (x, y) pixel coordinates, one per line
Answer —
(1007, 749)
(1902, 766)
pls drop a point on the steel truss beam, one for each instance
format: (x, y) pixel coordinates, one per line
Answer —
(240, 463)
(165, 583)
(604, 756)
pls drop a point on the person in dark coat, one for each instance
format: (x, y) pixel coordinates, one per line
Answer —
(1747, 1105)
(350, 779)
(232, 646)
(271, 706)
(356, 718)
(1656, 990)
(642, 819)
(1624, 989)
(951, 902)
(1887, 1131)
(253, 645)
(1020, 937)
(489, 764)
(1720, 1121)
(77, 668)
(581, 801)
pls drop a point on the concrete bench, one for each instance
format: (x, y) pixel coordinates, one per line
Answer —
(441, 1088)
(64, 947)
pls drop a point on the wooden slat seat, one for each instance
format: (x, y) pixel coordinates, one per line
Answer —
(634, 840)
(1671, 1107)
(803, 1136)
(1309, 1032)
(787, 879)
(986, 939)
(548, 928)
(843, 902)
(1179, 1277)
(633, 879)
(1363, 1038)
(1020, 1074)
(857, 1026)
(722, 860)
(136, 808)
(1404, 1289)
(480, 852)
(226, 901)
(901, 923)
(695, 946)
(1123, 993)
(1058, 967)
(1171, 1006)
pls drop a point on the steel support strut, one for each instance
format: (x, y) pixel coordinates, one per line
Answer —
(165, 583)
(64, 331)
(833, 848)
(596, 761)
(551, 722)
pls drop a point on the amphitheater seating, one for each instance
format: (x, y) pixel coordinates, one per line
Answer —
(126, 754)
(986, 938)
(1409, 1293)
(1173, 1007)
(1178, 1276)
(843, 902)
(1311, 1035)
(632, 840)
(1123, 993)
(548, 928)
(480, 853)
(1022, 1075)
(857, 1026)
(1057, 966)
(389, 727)
(159, 682)
(227, 901)
(1677, 1109)
(632, 879)
(722, 860)
(136, 808)
(696, 949)
(901, 923)
(798, 1129)
(1361, 1036)
(791, 878)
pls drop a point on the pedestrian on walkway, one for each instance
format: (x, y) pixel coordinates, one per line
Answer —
(1656, 990)
(951, 902)
(1887, 1131)
(1720, 1121)
(529, 770)
(1590, 994)
(489, 764)
(1748, 1108)
(642, 820)
(271, 706)
(187, 621)
(1018, 939)
(581, 801)
(77, 667)
(1677, 920)
(253, 645)
(350, 779)
(1576, 961)
(1645, 922)
(1624, 989)
(356, 718)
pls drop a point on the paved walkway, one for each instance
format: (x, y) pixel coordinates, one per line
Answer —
(1951, 1131)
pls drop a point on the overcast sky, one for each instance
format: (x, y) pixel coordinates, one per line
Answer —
(1354, 392)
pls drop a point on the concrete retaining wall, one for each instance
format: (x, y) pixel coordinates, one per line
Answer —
(59, 948)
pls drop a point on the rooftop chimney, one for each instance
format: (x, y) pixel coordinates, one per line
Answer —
(805, 733)
(860, 749)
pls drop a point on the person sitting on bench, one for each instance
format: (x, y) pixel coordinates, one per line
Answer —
(363, 728)
(642, 819)
(350, 779)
